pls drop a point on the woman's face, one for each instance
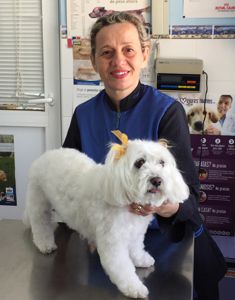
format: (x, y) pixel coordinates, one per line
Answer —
(119, 59)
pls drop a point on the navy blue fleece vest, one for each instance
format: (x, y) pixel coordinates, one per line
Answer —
(96, 120)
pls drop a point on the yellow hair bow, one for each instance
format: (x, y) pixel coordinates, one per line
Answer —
(121, 149)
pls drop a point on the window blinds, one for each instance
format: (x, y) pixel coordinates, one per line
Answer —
(21, 50)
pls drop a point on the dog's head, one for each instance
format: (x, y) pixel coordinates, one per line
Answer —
(145, 173)
(199, 119)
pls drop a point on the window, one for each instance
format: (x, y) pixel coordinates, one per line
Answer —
(21, 52)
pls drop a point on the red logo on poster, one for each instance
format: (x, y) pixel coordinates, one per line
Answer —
(225, 8)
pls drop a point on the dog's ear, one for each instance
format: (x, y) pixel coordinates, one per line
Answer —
(213, 116)
(164, 143)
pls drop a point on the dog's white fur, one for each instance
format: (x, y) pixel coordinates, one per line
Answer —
(93, 199)
(199, 120)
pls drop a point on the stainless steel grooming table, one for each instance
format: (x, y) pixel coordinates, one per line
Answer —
(73, 272)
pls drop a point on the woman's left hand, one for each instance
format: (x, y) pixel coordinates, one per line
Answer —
(167, 209)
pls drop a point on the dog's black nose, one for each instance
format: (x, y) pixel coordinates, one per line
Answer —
(198, 126)
(156, 181)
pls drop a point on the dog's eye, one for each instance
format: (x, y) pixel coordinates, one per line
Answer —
(192, 114)
(139, 163)
(162, 163)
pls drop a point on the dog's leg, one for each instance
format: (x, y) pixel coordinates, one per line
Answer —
(118, 265)
(140, 257)
(39, 213)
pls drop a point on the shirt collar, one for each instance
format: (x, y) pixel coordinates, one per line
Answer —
(129, 101)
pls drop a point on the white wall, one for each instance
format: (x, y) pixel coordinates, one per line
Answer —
(218, 60)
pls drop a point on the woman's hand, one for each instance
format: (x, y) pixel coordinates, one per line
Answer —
(167, 209)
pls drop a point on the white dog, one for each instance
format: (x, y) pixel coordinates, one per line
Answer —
(93, 199)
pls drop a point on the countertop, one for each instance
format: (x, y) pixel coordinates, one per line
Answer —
(73, 272)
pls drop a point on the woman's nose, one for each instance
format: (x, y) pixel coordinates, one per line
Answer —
(118, 58)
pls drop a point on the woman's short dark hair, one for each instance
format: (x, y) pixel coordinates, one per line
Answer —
(119, 17)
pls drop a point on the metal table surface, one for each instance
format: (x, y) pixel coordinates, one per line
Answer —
(73, 272)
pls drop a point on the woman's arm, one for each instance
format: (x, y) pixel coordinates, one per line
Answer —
(73, 139)
(174, 128)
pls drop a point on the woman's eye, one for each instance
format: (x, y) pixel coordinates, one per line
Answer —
(129, 52)
(139, 163)
(106, 53)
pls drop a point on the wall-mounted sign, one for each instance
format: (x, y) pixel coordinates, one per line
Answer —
(209, 9)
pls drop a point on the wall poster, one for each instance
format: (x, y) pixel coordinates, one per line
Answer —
(7, 171)
(82, 14)
(214, 155)
(209, 9)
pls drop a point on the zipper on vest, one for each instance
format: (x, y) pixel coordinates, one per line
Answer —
(118, 119)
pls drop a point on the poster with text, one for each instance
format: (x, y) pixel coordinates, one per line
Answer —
(212, 127)
(82, 93)
(7, 171)
(215, 159)
(209, 9)
(81, 15)
(213, 116)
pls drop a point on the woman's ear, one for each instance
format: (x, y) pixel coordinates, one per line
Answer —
(146, 53)
(92, 58)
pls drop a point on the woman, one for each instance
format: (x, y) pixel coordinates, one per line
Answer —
(120, 49)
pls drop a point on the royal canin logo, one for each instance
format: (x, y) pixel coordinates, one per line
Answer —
(225, 7)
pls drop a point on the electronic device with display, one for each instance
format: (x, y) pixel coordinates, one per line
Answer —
(175, 74)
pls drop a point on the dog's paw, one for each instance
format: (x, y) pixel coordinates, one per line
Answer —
(148, 261)
(135, 291)
(145, 260)
(46, 248)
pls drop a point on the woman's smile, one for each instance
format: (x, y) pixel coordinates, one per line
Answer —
(119, 74)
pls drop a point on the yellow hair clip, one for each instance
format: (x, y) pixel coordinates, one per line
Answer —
(121, 149)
